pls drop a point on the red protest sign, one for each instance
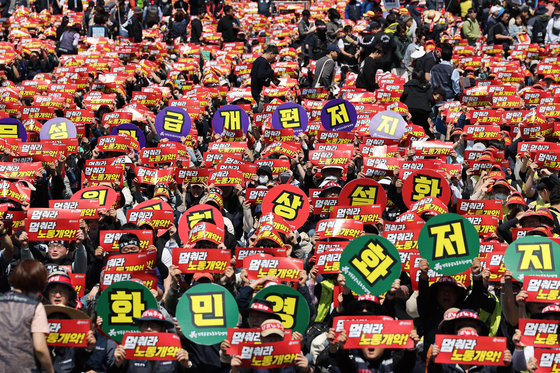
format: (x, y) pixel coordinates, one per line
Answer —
(255, 196)
(367, 214)
(470, 350)
(225, 178)
(152, 156)
(323, 206)
(161, 219)
(146, 175)
(432, 148)
(68, 333)
(243, 252)
(78, 282)
(288, 202)
(481, 132)
(99, 174)
(88, 207)
(482, 207)
(433, 276)
(192, 176)
(269, 355)
(151, 346)
(339, 228)
(425, 183)
(363, 192)
(542, 289)
(109, 240)
(21, 171)
(329, 261)
(548, 361)
(539, 333)
(113, 143)
(491, 256)
(378, 333)
(110, 276)
(262, 265)
(485, 225)
(106, 196)
(237, 337)
(323, 246)
(50, 224)
(201, 260)
(132, 262)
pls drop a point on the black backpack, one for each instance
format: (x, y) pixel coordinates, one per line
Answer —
(538, 32)
(152, 15)
(491, 39)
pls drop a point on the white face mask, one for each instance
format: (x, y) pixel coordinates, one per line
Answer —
(500, 196)
(263, 179)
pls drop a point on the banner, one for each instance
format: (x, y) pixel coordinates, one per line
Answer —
(201, 260)
(541, 289)
(548, 361)
(329, 262)
(470, 350)
(151, 346)
(539, 333)
(133, 261)
(161, 219)
(206, 312)
(51, 224)
(378, 333)
(480, 207)
(68, 333)
(269, 355)
(109, 240)
(262, 265)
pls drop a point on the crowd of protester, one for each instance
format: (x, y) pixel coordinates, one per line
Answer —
(259, 55)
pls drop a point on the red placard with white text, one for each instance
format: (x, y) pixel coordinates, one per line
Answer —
(151, 346)
(68, 333)
(109, 240)
(548, 361)
(539, 333)
(242, 252)
(132, 262)
(269, 355)
(542, 289)
(382, 333)
(262, 265)
(470, 350)
(201, 260)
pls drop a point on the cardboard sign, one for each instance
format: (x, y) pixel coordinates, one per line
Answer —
(99, 174)
(207, 311)
(68, 333)
(151, 346)
(361, 192)
(262, 265)
(154, 156)
(338, 115)
(89, 207)
(542, 289)
(480, 207)
(485, 225)
(109, 240)
(539, 333)
(119, 303)
(255, 196)
(290, 116)
(230, 118)
(387, 125)
(478, 132)
(20, 171)
(289, 304)
(173, 123)
(322, 159)
(111, 276)
(192, 176)
(334, 137)
(470, 350)
(378, 333)
(58, 128)
(449, 242)
(201, 260)
(132, 262)
(329, 261)
(151, 176)
(269, 355)
(288, 202)
(532, 256)
(242, 252)
(51, 224)
(425, 183)
(238, 337)
(370, 264)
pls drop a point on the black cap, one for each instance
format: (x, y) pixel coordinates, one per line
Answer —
(265, 169)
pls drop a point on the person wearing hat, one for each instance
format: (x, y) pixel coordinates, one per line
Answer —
(152, 321)
(499, 33)
(370, 359)
(537, 24)
(59, 289)
(134, 26)
(434, 300)
(553, 27)
(330, 190)
(272, 330)
(263, 176)
(325, 69)
(415, 50)
(467, 323)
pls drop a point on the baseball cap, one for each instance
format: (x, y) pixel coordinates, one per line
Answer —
(333, 47)
(272, 326)
(153, 315)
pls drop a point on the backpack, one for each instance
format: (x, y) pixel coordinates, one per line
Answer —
(491, 39)
(538, 32)
(152, 15)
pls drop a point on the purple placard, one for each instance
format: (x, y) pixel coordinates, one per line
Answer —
(12, 128)
(290, 115)
(57, 129)
(232, 117)
(339, 115)
(173, 123)
(387, 125)
(132, 130)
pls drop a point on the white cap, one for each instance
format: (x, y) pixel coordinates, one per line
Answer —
(495, 9)
(418, 53)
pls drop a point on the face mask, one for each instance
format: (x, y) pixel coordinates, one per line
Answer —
(263, 179)
(500, 196)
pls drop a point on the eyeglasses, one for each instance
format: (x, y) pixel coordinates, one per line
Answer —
(59, 290)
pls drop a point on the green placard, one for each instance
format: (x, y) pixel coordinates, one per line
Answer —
(119, 303)
(449, 242)
(532, 256)
(205, 312)
(370, 264)
(289, 304)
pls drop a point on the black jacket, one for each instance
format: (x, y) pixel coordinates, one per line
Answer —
(261, 74)
(417, 96)
(196, 31)
(135, 29)
(366, 77)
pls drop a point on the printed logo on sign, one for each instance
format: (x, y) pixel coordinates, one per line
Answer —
(131, 133)
(232, 120)
(363, 195)
(373, 262)
(450, 240)
(339, 115)
(286, 307)
(124, 305)
(388, 125)
(207, 310)
(425, 186)
(537, 257)
(196, 216)
(58, 131)
(287, 205)
(173, 121)
(289, 118)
